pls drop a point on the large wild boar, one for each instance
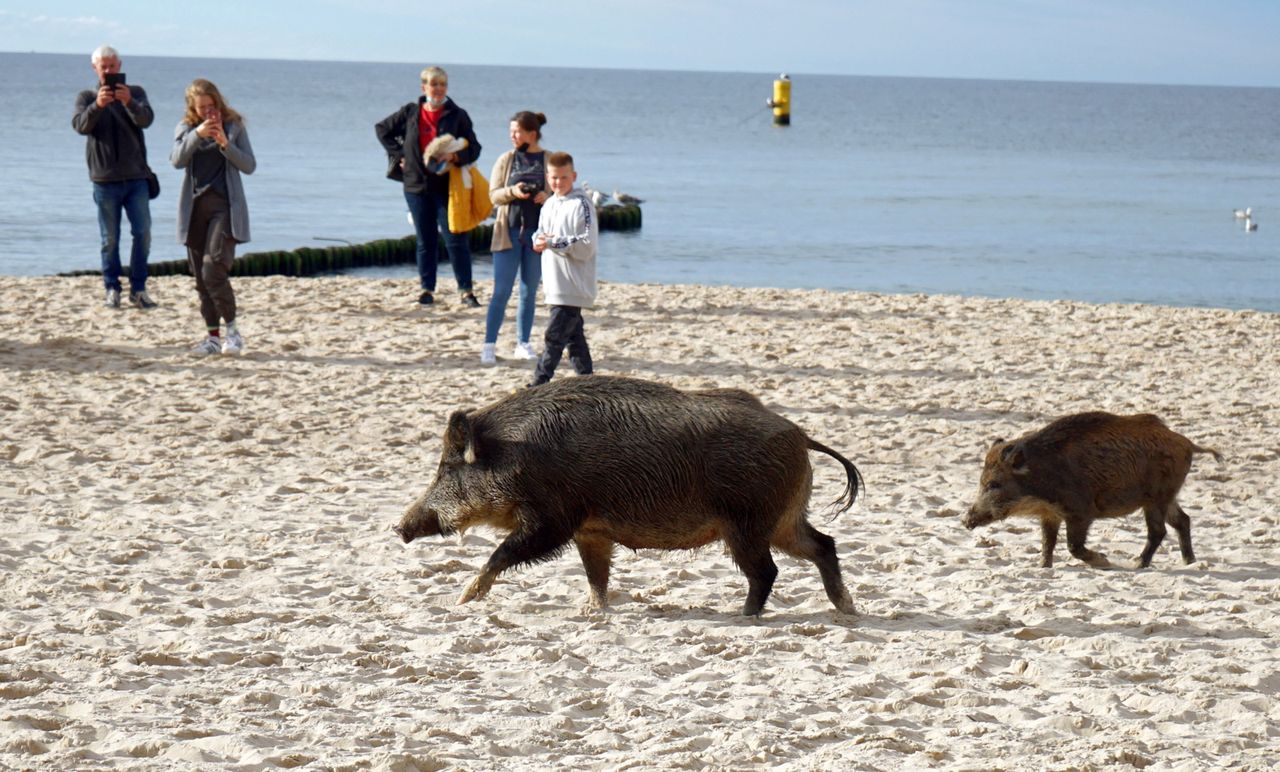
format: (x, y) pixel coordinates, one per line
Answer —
(605, 460)
(1086, 466)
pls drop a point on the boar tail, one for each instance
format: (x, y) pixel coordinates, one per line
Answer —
(854, 481)
(1197, 449)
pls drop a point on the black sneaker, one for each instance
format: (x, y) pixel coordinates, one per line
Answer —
(469, 300)
(426, 298)
(141, 300)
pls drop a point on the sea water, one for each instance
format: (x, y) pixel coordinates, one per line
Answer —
(1098, 192)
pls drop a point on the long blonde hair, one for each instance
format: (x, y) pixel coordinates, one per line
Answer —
(201, 87)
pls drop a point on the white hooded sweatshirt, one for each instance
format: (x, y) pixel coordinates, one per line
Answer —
(569, 261)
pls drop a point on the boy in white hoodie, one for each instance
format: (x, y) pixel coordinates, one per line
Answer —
(566, 239)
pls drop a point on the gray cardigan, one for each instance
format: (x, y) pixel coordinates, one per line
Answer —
(239, 154)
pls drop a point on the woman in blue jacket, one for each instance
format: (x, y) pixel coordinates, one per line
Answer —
(405, 134)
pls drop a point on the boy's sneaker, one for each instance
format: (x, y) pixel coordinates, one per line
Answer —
(488, 354)
(141, 300)
(524, 351)
(113, 298)
(426, 298)
(233, 343)
(210, 345)
(469, 300)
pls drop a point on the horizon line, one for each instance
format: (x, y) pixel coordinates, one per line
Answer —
(678, 70)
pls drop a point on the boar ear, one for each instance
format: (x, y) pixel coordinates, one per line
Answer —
(1016, 455)
(459, 436)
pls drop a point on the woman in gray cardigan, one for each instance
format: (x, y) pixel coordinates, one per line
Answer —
(212, 146)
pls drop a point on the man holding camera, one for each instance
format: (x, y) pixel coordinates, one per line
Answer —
(112, 118)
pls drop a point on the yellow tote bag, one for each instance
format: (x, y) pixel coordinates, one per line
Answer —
(469, 200)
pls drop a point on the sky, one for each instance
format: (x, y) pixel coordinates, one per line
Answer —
(1209, 42)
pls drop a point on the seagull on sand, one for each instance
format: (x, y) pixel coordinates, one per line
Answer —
(626, 198)
(1244, 214)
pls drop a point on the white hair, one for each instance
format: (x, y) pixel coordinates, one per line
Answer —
(104, 52)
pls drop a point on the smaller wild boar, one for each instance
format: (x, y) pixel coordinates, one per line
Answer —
(602, 460)
(1086, 466)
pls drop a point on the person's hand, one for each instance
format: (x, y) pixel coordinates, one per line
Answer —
(518, 191)
(123, 95)
(541, 197)
(539, 242)
(106, 95)
(210, 128)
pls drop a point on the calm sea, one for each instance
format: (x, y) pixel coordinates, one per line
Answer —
(996, 188)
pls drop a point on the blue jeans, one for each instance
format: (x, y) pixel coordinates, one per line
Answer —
(429, 213)
(506, 262)
(132, 198)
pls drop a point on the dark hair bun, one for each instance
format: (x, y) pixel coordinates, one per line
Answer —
(542, 119)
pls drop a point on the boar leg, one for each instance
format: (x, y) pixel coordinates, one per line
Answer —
(1077, 530)
(1155, 533)
(1175, 517)
(597, 557)
(528, 543)
(809, 543)
(752, 556)
(1049, 528)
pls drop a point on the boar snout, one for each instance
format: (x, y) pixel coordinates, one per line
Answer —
(976, 518)
(419, 520)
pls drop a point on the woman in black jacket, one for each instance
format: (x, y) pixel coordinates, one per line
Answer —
(405, 134)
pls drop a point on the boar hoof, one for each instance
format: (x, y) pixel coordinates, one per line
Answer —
(845, 606)
(478, 588)
(1100, 561)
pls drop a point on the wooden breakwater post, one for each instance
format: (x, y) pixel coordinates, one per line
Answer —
(313, 261)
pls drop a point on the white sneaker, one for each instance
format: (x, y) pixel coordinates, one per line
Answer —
(210, 345)
(488, 355)
(233, 343)
(524, 351)
(113, 298)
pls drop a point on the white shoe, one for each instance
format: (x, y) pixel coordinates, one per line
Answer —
(210, 345)
(233, 343)
(488, 354)
(113, 298)
(524, 351)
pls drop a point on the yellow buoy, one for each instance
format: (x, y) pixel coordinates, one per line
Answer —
(781, 101)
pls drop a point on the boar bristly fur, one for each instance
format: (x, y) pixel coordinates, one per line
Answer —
(600, 461)
(1089, 466)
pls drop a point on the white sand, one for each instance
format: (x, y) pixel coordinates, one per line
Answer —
(196, 568)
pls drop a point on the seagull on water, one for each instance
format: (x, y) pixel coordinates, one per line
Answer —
(626, 198)
(1244, 214)
(1250, 225)
(597, 198)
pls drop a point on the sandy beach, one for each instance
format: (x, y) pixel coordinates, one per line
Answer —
(197, 571)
